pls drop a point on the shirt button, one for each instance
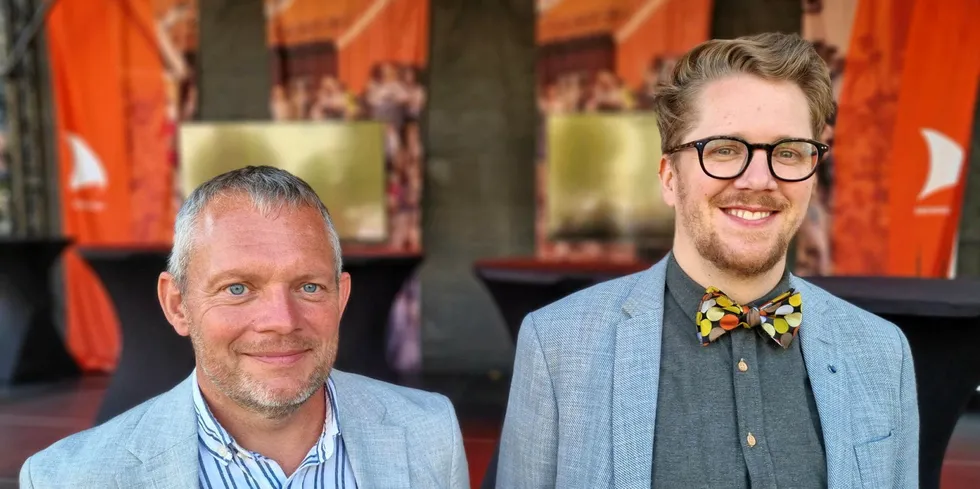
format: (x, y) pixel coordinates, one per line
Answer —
(750, 440)
(742, 366)
(224, 453)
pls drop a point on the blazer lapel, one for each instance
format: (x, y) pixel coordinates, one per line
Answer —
(828, 375)
(377, 450)
(176, 468)
(165, 442)
(636, 377)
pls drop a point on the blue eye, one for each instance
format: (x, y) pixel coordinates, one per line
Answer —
(311, 288)
(236, 289)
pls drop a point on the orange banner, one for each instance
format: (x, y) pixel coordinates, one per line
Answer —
(863, 148)
(564, 20)
(360, 33)
(108, 88)
(659, 29)
(932, 132)
(390, 31)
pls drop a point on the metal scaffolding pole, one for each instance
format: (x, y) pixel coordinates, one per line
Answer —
(29, 177)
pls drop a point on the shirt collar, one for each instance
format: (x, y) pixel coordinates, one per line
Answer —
(221, 444)
(688, 293)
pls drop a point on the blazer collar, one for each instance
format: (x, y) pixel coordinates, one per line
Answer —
(165, 440)
(822, 339)
(374, 441)
(636, 376)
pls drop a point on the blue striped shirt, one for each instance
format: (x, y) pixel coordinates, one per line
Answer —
(225, 464)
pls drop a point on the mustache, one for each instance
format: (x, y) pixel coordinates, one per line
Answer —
(767, 201)
(277, 344)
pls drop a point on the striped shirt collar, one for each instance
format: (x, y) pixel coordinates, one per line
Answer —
(216, 440)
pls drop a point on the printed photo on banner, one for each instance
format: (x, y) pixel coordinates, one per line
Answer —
(598, 64)
(177, 38)
(827, 25)
(337, 61)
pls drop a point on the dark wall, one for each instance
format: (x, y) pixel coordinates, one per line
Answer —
(734, 18)
(968, 263)
(479, 194)
(233, 63)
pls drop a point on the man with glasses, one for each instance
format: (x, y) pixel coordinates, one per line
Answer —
(717, 367)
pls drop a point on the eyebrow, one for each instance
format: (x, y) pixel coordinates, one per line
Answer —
(229, 276)
(741, 136)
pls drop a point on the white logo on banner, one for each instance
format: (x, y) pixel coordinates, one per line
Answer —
(87, 172)
(946, 159)
(945, 163)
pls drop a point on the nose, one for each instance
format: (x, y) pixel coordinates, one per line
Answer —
(277, 313)
(757, 176)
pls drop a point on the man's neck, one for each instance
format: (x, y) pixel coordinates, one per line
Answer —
(286, 440)
(741, 289)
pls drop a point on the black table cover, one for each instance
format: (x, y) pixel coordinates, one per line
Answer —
(30, 347)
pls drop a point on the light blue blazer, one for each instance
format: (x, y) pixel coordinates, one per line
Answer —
(583, 399)
(396, 438)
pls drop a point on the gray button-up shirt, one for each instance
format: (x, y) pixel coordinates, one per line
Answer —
(737, 413)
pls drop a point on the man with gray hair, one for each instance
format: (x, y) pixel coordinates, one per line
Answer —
(255, 279)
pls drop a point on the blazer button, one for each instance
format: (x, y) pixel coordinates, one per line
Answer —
(750, 440)
(742, 366)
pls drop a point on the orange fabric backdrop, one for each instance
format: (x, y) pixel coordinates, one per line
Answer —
(395, 30)
(365, 32)
(574, 19)
(904, 123)
(659, 28)
(313, 21)
(932, 132)
(865, 128)
(107, 84)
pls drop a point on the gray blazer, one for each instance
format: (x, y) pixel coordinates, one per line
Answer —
(583, 399)
(396, 438)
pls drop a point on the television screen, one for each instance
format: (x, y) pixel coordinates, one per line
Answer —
(603, 181)
(344, 162)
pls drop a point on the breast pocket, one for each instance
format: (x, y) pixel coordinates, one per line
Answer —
(876, 462)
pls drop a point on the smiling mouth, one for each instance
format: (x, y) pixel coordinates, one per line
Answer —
(276, 353)
(749, 215)
(278, 357)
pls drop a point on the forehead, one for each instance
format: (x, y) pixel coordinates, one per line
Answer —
(751, 107)
(234, 232)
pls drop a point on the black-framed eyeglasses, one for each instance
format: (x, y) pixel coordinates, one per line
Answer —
(727, 157)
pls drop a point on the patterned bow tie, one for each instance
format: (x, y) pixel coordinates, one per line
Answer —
(780, 318)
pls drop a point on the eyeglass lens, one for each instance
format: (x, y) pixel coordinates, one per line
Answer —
(791, 160)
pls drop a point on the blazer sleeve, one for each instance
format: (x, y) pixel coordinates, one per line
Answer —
(907, 464)
(25, 475)
(529, 441)
(459, 475)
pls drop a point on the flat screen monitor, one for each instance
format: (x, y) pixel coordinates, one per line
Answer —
(344, 162)
(603, 181)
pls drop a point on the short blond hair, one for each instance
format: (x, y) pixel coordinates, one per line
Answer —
(770, 56)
